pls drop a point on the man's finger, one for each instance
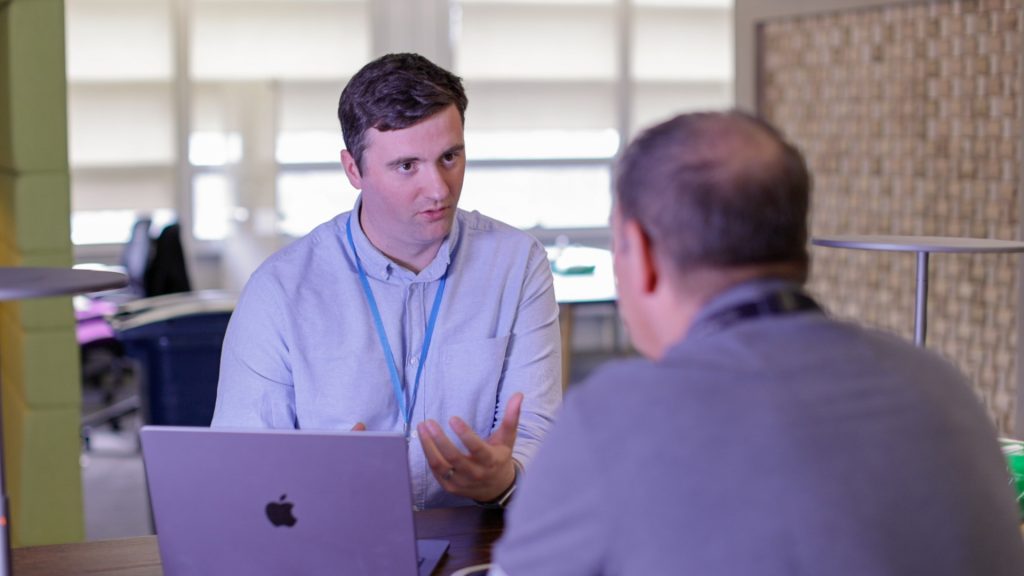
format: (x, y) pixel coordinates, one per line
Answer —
(467, 468)
(479, 450)
(506, 433)
(444, 444)
(438, 464)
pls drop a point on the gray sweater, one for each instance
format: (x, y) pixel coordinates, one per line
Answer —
(784, 444)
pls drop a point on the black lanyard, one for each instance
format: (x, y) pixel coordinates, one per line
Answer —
(774, 304)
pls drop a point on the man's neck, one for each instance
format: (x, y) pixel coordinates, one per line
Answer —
(416, 262)
(701, 285)
(695, 289)
(414, 257)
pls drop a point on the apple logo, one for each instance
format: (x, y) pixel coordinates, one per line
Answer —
(280, 512)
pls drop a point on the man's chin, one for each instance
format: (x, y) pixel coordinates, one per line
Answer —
(437, 231)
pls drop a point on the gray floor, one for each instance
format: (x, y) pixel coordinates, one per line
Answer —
(113, 484)
(113, 479)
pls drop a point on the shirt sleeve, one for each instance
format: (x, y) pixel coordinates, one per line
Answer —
(556, 523)
(534, 359)
(255, 388)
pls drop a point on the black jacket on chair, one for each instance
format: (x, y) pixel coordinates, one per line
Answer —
(166, 272)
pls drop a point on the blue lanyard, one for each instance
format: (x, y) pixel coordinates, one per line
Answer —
(405, 411)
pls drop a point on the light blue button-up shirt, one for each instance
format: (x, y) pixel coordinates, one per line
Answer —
(301, 350)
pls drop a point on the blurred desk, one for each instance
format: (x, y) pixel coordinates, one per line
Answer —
(582, 276)
(472, 532)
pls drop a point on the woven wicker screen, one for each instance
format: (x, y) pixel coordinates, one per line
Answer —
(910, 119)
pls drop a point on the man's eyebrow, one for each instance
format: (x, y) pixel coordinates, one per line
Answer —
(455, 149)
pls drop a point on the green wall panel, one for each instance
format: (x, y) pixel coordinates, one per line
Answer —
(6, 154)
(42, 455)
(42, 365)
(39, 359)
(42, 205)
(34, 217)
(8, 228)
(44, 313)
(37, 85)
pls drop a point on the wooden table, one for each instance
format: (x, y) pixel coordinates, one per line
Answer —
(472, 531)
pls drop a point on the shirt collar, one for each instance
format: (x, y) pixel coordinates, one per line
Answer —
(734, 296)
(380, 267)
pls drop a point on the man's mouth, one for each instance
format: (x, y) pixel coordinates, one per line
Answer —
(435, 213)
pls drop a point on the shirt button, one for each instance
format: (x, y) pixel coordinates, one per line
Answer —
(414, 361)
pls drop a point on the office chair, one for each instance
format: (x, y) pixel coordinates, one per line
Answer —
(166, 272)
(109, 374)
(108, 391)
(135, 257)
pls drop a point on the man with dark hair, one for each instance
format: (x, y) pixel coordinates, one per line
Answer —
(393, 93)
(759, 436)
(405, 314)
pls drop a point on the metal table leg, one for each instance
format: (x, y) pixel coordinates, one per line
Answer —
(921, 305)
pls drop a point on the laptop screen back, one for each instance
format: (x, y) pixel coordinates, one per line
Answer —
(280, 501)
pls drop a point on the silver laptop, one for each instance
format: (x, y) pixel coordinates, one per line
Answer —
(275, 502)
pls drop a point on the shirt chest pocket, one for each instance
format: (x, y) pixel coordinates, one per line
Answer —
(471, 374)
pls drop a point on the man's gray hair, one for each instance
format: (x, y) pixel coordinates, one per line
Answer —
(717, 190)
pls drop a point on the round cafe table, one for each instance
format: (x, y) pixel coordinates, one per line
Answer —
(923, 246)
(22, 283)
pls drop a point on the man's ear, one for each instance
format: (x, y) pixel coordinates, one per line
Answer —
(351, 170)
(643, 265)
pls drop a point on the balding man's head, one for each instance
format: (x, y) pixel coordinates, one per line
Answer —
(717, 191)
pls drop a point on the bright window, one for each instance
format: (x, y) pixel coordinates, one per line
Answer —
(556, 90)
(121, 128)
(551, 105)
(212, 206)
(538, 197)
(306, 199)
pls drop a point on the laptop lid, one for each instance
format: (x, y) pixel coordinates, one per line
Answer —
(275, 502)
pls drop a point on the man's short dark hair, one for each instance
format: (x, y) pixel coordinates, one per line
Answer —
(394, 92)
(717, 190)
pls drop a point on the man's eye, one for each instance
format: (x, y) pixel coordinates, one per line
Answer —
(405, 167)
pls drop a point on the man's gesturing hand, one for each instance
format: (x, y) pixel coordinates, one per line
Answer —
(487, 470)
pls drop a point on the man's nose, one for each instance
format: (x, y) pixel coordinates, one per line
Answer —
(436, 186)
